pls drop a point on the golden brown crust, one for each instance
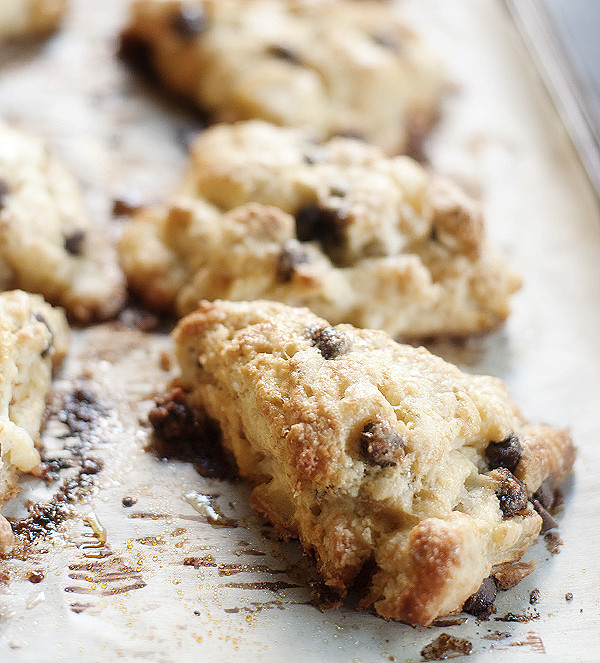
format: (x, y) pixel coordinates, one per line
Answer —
(46, 14)
(439, 556)
(370, 452)
(547, 453)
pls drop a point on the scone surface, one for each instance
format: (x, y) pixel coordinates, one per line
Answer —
(264, 212)
(33, 340)
(336, 66)
(48, 243)
(373, 453)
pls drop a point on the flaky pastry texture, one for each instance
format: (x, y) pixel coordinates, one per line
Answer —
(266, 213)
(376, 455)
(34, 338)
(336, 66)
(48, 243)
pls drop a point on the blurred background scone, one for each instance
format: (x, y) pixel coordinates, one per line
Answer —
(34, 339)
(48, 242)
(265, 212)
(338, 67)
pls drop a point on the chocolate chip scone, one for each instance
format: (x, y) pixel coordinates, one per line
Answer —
(33, 340)
(358, 237)
(29, 17)
(48, 243)
(376, 455)
(336, 66)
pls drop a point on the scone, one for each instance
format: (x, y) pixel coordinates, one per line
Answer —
(29, 17)
(48, 243)
(33, 340)
(356, 236)
(376, 455)
(336, 66)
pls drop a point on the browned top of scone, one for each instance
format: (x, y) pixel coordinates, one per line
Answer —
(264, 212)
(371, 450)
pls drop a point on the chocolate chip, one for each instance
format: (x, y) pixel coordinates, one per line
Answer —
(548, 521)
(380, 444)
(187, 132)
(544, 500)
(189, 22)
(4, 191)
(315, 154)
(128, 501)
(185, 433)
(74, 242)
(338, 190)
(35, 577)
(546, 494)
(387, 40)
(172, 418)
(330, 342)
(40, 318)
(284, 53)
(322, 224)
(292, 255)
(352, 134)
(534, 597)
(481, 604)
(137, 53)
(91, 465)
(510, 491)
(128, 203)
(504, 454)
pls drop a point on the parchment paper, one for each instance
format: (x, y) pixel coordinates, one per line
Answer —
(241, 593)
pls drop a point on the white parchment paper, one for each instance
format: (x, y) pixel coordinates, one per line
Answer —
(246, 595)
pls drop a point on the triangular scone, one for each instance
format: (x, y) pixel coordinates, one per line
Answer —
(29, 17)
(338, 67)
(34, 338)
(358, 237)
(376, 455)
(48, 243)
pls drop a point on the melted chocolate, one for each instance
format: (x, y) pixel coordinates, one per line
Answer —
(74, 242)
(481, 604)
(282, 52)
(292, 255)
(380, 444)
(330, 342)
(186, 434)
(445, 646)
(505, 454)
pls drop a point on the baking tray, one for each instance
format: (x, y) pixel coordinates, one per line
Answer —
(563, 40)
(187, 572)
